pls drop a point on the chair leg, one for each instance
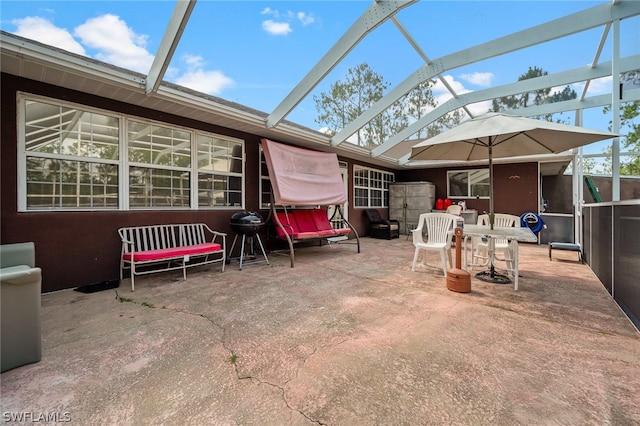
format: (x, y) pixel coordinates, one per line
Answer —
(508, 260)
(415, 259)
(444, 262)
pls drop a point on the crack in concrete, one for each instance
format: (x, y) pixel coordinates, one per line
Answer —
(235, 366)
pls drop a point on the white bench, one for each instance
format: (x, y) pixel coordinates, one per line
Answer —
(158, 248)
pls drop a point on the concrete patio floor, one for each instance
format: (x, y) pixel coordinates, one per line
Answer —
(341, 339)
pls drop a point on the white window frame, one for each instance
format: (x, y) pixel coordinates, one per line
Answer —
(264, 182)
(371, 188)
(470, 194)
(122, 162)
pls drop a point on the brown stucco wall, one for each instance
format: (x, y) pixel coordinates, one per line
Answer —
(515, 186)
(80, 248)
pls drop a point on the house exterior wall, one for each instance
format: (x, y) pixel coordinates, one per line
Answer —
(515, 186)
(76, 248)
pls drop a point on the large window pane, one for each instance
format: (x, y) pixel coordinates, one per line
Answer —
(58, 130)
(371, 187)
(458, 184)
(159, 145)
(219, 190)
(220, 155)
(73, 161)
(55, 137)
(158, 187)
(220, 167)
(71, 184)
(468, 183)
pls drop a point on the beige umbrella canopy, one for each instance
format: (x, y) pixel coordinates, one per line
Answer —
(496, 135)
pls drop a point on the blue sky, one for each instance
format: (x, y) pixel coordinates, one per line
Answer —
(255, 52)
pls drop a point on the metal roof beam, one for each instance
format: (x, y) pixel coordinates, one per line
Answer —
(574, 104)
(170, 40)
(568, 25)
(549, 80)
(557, 107)
(596, 58)
(426, 59)
(373, 17)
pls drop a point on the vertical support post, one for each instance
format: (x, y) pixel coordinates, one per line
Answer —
(615, 109)
(578, 188)
(615, 147)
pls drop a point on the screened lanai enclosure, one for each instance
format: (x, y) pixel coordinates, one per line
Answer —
(89, 138)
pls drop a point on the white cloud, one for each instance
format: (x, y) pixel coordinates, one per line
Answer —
(305, 18)
(482, 79)
(267, 11)
(276, 28)
(442, 94)
(600, 86)
(281, 24)
(211, 82)
(480, 108)
(115, 42)
(197, 78)
(193, 60)
(42, 30)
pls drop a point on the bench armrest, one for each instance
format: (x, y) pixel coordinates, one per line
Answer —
(20, 275)
(18, 254)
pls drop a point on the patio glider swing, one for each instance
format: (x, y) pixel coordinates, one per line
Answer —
(305, 185)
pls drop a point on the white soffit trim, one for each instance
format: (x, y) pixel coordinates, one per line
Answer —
(27, 50)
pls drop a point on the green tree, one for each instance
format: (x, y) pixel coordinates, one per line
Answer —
(419, 101)
(362, 87)
(348, 99)
(629, 113)
(536, 97)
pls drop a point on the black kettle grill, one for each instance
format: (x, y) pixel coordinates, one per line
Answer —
(248, 224)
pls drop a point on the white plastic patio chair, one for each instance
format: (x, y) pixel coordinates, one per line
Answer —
(438, 227)
(480, 247)
(454, 209)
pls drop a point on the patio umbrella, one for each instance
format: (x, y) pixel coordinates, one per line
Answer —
(497, 135)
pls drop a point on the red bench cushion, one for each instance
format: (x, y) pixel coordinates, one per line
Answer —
(324, 226)
(289, 224)
(143, 256)
(321, 220)
(304, 219)
(292, 226)
(307, 223)
(342, 231)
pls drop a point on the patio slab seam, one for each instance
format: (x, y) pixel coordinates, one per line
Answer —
(223, 342)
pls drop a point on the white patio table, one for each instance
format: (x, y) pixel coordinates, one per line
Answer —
(508, 233)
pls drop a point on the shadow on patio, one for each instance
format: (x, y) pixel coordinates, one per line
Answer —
(342, 338)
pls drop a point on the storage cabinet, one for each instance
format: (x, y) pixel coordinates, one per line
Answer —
(407, 200)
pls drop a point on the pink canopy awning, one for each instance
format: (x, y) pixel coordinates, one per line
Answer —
(303, 177)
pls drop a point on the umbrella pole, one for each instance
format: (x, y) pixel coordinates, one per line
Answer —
(492, 277)
(491, 211)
